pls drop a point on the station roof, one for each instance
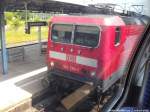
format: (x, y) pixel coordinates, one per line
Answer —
(46, 6)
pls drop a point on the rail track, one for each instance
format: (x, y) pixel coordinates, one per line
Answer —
(79, 100)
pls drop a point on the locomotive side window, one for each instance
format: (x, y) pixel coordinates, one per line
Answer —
(62, 33)
(86, 36)
(117, 35)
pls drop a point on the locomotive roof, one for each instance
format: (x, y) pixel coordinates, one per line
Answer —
(93, 15)
(110, 20)
(105, 20)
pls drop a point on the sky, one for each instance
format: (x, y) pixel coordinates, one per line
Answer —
(124, 3)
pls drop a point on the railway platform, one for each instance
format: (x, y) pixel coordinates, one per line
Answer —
(23, 81)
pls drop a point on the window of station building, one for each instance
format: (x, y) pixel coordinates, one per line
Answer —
(117, 35)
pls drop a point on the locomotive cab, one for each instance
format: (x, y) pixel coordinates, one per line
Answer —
(87, 49)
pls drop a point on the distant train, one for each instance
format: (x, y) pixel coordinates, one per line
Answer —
(92, 49)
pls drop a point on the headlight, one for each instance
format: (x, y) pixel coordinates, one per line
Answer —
(52, 64)
(93, 73)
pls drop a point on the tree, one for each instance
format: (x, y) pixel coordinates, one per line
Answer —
(8, 16)
(15, 23)
(14, 19)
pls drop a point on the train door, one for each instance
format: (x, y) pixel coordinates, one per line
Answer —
(86, 42)
(61, 39)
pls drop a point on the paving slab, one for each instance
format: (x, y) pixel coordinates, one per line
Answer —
(11, 96)
(16, 93)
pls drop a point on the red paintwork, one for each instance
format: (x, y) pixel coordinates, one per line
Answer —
(110, 57)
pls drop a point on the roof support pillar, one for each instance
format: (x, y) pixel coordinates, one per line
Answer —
(39, 38)
(3, 43)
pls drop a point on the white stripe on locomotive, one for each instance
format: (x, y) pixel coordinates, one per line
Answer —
(76, 59)
(57, 55)
(86, 61)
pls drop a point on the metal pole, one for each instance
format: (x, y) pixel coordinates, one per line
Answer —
(26, 12)
(39, 38)
(3, 44)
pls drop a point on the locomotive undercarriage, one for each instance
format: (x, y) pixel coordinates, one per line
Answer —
(91, 102)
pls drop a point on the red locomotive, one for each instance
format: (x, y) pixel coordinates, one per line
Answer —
(92, 49)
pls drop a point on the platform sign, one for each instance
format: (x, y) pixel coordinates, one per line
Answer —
(34, 24)
(40, 23)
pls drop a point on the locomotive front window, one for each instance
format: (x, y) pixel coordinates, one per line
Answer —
(86, 36)
(62, 33)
